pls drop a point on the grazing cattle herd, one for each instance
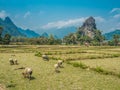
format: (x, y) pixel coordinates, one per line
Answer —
(27, 72)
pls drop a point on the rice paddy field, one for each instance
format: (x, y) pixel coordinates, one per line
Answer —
(84, 68)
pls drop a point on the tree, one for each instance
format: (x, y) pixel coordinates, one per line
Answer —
(111, 43)
(6, 39)
(51, 39)
(73, 38)
(85, 39)
(116, 39)
(98, 38)
(70, 39)
(1, 29)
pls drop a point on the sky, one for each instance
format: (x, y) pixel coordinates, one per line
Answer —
(52, 14)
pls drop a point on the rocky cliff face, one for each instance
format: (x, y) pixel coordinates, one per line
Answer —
(88, 27)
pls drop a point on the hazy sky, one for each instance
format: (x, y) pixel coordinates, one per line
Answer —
(50, 14)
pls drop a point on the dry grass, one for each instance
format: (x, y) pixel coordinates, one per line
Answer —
(110, 64)
(44, 77)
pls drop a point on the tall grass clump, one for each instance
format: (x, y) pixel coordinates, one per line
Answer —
(38, 54)
(102, 71)
(116, 55)
(81, 65)
(97, 69)
(10, 84)
(118, 75)
(54, 58)
(48, 53)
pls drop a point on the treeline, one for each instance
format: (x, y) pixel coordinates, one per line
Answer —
(70, 39)
(97, 40)
(78, 38)
(115, 40)
(36, 41)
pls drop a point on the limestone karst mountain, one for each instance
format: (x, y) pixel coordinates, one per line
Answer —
(88, 28)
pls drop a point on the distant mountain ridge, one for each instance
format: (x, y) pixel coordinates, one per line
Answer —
(13, 30)
(87, 28)
(45, 35)
(10, 28)
(59, 33)
(109, 35)
(29, 33)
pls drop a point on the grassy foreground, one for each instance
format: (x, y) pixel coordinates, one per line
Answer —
(69, 78)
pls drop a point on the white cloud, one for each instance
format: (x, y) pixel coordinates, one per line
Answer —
(3, 14)
(27, 14)
(99, 19)
(71, 22)
(116, 13)
(118, 26)
(60, 24)
(115, 10)
(117, 16)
